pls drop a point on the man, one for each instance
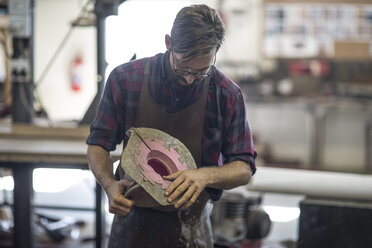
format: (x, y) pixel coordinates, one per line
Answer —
(183, 94)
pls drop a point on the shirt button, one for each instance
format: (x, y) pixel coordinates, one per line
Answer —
(177, 99)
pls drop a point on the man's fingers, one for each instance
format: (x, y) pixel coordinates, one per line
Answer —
(127, 202)
(124, 183)
(175, 184)
(179, 190)
(185, 188)
(118, 210)
(120, 205)
(172, 176)
(192, 199)
(186, 196)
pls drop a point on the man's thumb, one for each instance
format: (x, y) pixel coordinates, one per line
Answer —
(125, 183)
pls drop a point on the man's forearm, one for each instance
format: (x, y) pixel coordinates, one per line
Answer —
(100, 164)
(229, 176)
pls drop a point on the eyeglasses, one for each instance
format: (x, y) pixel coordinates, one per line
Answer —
(197, 75)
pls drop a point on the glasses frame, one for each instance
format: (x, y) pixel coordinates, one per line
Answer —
(197, 76)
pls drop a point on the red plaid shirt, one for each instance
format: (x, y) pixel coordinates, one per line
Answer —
(226, 133)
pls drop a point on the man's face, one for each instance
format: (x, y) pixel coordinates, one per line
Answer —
(193, 70)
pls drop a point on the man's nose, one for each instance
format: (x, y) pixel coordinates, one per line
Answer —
(189, 78)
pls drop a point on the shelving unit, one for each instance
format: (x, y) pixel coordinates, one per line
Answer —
(312, 29)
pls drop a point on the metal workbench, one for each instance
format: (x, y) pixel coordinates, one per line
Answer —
(24, 148)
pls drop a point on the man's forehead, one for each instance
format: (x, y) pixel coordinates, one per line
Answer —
(206, 57)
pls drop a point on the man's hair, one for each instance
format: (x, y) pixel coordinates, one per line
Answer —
(196, 30)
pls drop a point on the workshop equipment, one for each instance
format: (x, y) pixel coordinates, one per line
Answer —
(335, 223)
(239, 221)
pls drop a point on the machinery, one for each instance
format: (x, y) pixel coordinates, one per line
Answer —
(21, 31)
(239, 221)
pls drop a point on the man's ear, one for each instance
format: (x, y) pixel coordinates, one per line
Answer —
(168, 42)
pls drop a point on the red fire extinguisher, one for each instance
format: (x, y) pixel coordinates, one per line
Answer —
(76, 73)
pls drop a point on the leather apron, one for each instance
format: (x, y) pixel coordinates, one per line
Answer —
(148, 227)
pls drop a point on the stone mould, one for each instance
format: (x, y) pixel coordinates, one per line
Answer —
(149, 155)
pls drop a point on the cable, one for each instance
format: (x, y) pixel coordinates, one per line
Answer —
(53, 58)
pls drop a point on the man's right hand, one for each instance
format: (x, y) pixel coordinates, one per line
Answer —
(100, 164)
(118, 204)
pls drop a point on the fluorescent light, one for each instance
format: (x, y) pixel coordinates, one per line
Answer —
(7, 183)
(282, 214)
(57, 180)
(49, 180)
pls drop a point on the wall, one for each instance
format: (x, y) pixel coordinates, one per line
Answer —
(283, 130)
(242, 20)
(52, 22)
(313, 135)
(240, 53)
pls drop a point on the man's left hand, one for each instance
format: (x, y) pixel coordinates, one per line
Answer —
(187, 184)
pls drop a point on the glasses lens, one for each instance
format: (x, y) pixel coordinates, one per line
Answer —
(183, 73)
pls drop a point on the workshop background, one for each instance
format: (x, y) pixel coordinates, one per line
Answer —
(305, 68)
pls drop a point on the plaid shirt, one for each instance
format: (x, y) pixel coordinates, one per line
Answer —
(226, 131)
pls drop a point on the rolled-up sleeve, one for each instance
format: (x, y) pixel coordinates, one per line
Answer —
(238, 142)
(104, 127)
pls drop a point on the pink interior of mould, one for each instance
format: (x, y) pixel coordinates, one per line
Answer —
(157, 161)
(161, 163)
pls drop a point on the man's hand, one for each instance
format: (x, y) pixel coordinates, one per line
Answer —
(100, 164)
(118, 204)
(187, 184)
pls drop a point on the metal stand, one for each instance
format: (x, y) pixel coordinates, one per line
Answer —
(23, 207)
(100, 217)
(103, 8)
